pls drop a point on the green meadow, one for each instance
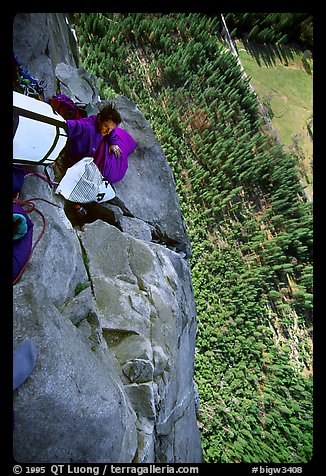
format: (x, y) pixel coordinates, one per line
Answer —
(283, 82)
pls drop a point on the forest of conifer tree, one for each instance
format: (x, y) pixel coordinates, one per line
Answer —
(248, 220)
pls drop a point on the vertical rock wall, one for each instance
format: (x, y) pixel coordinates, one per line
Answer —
(111, 311)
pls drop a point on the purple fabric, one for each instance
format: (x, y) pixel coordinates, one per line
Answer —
(84, 137)
(85, 140)
(17, 179)
(22, 246)
(114, 168)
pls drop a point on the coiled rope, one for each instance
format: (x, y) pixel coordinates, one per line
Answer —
(31, 207)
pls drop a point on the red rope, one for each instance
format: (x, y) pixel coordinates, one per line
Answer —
(32, 206)
(32, 172)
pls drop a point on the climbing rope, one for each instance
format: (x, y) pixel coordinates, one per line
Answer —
(29, 202)
(43, 177)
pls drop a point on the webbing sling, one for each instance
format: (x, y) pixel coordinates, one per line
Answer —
(48, 120)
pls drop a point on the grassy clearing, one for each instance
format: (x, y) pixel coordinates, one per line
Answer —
(285, 87)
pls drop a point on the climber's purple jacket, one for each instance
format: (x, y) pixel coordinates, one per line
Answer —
(85, 140)
(22, 246)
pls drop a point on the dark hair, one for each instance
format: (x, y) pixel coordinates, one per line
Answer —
(109, 112)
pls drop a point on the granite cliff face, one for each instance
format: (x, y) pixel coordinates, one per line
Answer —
(110, 309)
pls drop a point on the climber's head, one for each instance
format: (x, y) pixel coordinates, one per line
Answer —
(107, 119)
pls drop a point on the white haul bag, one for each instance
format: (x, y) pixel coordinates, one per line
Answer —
(39, 132)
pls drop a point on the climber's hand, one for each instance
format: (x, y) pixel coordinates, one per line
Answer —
(115, 149)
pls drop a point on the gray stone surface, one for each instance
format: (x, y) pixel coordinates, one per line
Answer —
(137, 228)
(73, 407)
(78, 84)
(41, 41)
(151, 330)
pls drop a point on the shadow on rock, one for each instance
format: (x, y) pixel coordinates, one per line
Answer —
(90, 212)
